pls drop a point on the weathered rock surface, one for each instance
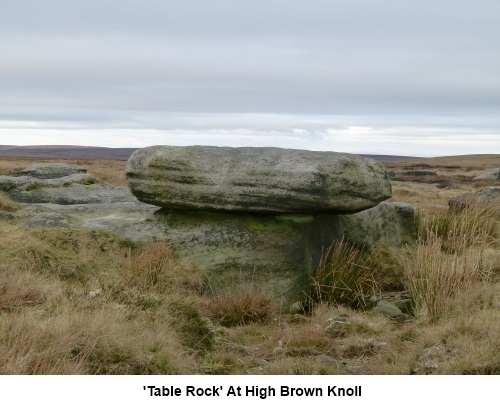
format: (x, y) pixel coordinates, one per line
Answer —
(278, 252)
(128, 219)
(49, 170)
(27, 183)
(78, 201)
(390, 223)
(493, 175)
(79, 188)
(258, 180)
(487, 196)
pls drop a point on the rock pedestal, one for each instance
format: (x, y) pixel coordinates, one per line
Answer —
(277, 253)
(256, 215)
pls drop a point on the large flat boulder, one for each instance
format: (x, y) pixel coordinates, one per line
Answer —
(49, 170)
(256, 180)
(80, 188)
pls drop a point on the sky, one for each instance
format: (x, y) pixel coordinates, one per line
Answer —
(392, 77)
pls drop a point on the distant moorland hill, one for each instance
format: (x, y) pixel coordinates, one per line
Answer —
(95, 152)
(66, 152)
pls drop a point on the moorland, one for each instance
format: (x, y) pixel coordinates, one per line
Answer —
(89, 302)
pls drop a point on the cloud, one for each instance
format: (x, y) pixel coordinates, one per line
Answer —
(337, 133)
(262, 66)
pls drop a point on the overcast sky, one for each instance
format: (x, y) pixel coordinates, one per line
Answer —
(406, 77)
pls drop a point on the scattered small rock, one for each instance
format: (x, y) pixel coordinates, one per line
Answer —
(327, 360)
(389, 310)
(337, 326)
(238, 349)
(95, 293)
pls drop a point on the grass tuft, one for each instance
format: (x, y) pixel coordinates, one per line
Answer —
(474, 225)
(242, 307)
(155, 266)
(342, 277)
(7, 204)
(434, 276)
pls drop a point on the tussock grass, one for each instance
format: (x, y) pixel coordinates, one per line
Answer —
(156, 267)
(7, 204)
(242, 307)
(76, 302)
(77, 342)
(452, 255)
(477, 224)
(434, 276)
(21, 289)
(465, 342)
(87, 302)
(342, 277)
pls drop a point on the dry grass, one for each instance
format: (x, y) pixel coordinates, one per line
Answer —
(242, 307)
(86, 302)
(434, 276)
(156, 267)
(342, 277)
(21, 289)
(450, 256)
(7, 204)
(474, 225)
(72, 302)
(79, 342)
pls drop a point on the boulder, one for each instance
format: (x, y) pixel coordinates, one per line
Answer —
(131, 220)
(49, 170)
(493, 175)
(27, 183)
(390, 223)
(489, 196)
(78, 188)
(256, 180)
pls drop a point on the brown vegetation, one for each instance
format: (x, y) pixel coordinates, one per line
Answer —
(87, 302)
